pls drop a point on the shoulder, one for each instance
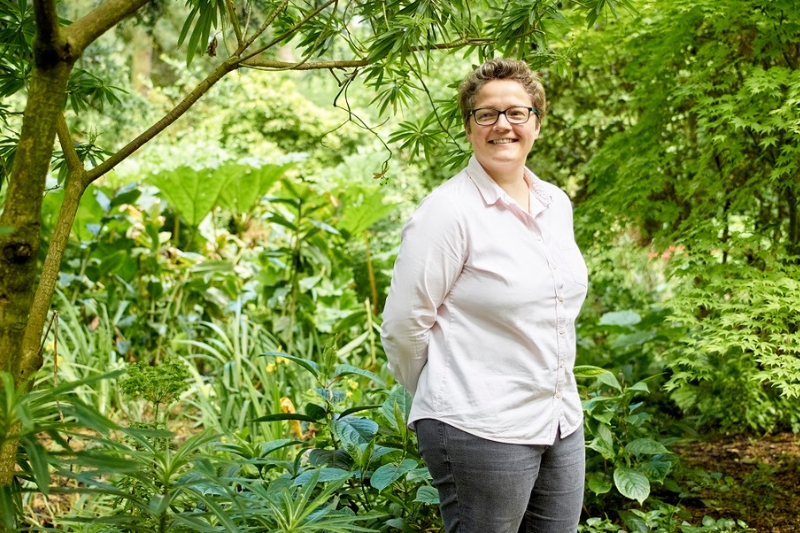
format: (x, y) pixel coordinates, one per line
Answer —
(449, 199)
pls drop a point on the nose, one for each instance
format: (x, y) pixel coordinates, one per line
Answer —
(505, 123)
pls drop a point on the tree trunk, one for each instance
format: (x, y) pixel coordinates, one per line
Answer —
(23, 206)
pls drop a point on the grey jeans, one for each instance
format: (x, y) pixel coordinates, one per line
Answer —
(492, 487)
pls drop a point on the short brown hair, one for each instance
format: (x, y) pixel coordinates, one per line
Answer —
(500, 69)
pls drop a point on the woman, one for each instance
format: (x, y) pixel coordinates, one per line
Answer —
(479, 324)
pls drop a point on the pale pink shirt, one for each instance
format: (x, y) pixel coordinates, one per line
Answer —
(479, 324)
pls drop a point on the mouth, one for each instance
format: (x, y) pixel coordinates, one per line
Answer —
(503, 141)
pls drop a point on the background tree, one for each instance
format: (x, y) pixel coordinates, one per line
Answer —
(679, 130)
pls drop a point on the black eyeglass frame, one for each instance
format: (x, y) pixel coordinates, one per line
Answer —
(503, 112)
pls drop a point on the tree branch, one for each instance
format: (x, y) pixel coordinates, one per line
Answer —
(31, 355)
(85, 30)
(67, 146)
(269, 20)
(268, 64)
(290, 31)
(234, 22)
(202, 88)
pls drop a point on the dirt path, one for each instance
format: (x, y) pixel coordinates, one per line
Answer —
(755, 480)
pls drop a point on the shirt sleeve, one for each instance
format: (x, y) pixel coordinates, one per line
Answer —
(432, 255)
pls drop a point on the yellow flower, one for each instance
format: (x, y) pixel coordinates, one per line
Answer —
(271, 368)
(348, 393)
(352, 384)
(281, 360)
(287, 406)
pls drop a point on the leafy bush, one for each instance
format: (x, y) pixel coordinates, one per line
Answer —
(738, 366)
(622, 453)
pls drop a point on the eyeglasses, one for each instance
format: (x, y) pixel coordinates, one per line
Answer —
(487, 116)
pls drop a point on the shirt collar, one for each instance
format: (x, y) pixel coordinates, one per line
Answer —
(492, 192)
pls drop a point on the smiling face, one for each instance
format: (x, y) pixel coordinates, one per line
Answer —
(502, 148)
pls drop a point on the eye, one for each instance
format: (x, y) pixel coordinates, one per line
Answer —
(485, 114)
(517, 113)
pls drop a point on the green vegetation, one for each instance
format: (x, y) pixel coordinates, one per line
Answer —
(191, 277)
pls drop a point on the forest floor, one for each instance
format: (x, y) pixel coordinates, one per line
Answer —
(756, 480)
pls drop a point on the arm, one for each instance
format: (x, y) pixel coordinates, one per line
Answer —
(431, 257)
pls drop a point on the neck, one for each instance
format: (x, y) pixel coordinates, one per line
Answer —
(515, 186)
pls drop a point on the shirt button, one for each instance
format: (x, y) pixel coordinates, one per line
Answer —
(561, 331)
(558, 396)
(561, 364)
(552, 267)
(560, 298)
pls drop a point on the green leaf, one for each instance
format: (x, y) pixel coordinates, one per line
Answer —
(388, 474)
(645, 446)
(344, 370)
(6, 230)
(656, 469)
(37, 457)
(308, 364)
(358, 409)
(8, 509)
(588, 371)
(603, 442)
(427, 494)
(598, 482)
(631, 483)
(354, 430)
(324, 474)
(609, 379)
(246, 185)
(193, 193)
(620, 318)
(372, 209)
(316, 411)
(397, 407)
(211, 266)
(640, 386)
(286, 416)
(635, 521)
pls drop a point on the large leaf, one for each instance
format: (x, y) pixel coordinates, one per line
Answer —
(656, 469)
(645, 447)
(193, 193)
(353, 430)
(246, 185)
(603, 441)
(323, 475)
(427, 494)
(598, 482)
(359, 218)
(396, 408)
(632, 483)
(609, 379)
(388, 474)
